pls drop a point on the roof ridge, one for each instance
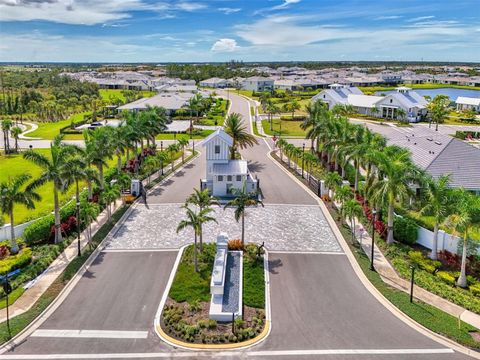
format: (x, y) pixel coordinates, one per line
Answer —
(441, 152)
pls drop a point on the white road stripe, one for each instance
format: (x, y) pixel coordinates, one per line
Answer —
(220, 354)
(313, 252)
(100, 334)
(126, 250)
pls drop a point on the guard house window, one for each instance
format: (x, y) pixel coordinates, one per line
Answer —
(239, 177)
(229, 177)
(220, 178)
(217, 149)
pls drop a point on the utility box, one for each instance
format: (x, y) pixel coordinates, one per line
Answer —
(135, 188)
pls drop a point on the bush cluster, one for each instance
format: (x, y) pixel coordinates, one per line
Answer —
(405, 230)
(16, 261)
(429, 265)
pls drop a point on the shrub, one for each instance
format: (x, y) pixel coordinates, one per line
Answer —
(475, 289)
(405, 230)
(212, 324)
(16, 261)
(426, 264)
(235, 244)
(446, 277)
(4, 251)
(39, 231)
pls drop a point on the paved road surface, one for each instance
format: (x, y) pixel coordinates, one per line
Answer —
(318, 303)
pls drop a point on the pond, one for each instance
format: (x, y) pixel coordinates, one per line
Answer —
(452, 93)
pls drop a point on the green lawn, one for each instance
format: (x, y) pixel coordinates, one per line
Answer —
(191, 286)
(170, 136)
(110, 94)
(12, 297)
(254, 283)
(48, 130)
(289, 128)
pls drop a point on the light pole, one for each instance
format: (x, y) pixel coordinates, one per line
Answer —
(303, 158)
(78, 229)
(161, 145)
(412, 281)
(193, 147)
(374, 213)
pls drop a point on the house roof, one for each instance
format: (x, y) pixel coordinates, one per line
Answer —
(366, 101)
(219, 133)
(168, 101)
(233, 167)
(468, 101)
(409, 99)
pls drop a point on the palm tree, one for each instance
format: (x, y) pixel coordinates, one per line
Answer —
(281, 144)
(162, 157)
(16, 131)
(438, 197)
(12, 192)
(150, 165)
(242, 200)
(183, 143)
(241, 137)
(438, 109)
(195, 220)
(310, 161)
(6, 126)
(119, 144)
(351, 210)
(98, 147)
(343, 193)
(397, 173)
(315, 112)
(203, 200)
(88, 214)
(465, 216)
(55, 169)
(109, 195)
(172, 150)
(292, 106)
(401, 114)
(332, 180)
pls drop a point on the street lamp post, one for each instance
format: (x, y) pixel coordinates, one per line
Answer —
(193, 147)
(161, 145)
(374, 213)
(303, 158)
(412, 281)
(78, 229)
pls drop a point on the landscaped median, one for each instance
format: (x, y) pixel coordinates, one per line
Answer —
(184, 319)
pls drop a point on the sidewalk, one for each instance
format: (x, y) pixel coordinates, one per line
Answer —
(42, 282)
(390, 276)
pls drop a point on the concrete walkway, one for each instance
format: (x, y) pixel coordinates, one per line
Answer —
(42, 282)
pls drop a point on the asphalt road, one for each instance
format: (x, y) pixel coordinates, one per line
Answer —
(317, 301)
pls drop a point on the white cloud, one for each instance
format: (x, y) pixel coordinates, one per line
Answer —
(86, 12)
(388, 17)
(228, 11)
(285, 4)
(225, 45)
(420, 18)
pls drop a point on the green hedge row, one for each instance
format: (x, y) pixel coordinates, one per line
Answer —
(16, 261)
(405, 230)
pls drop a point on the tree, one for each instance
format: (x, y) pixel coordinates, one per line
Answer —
(195, 220)
(438, 198)
(12, 192)
(55, 168)
(150, 165)
(401, 114)
(351, 209)
(241, 137)
(88, 214)
(203, 200)
(465, 216)
(438, 109)
(397, 173)
(172, 150)
(98, 147)
(332, 180)
(183, 143)
(292, 106)
(242, 200)
(6, 126)
(162, 157)
(109, 195)
(343, 193)
(16, 131)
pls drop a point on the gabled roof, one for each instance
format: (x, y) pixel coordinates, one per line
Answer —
(233, 167)
(366, 101)
(468, 101)
(408, 100)
(219, 133)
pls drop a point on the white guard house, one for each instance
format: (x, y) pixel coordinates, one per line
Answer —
(222, 173)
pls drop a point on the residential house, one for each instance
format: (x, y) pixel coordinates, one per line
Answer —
(336, 94)
(214, 82)
(258, 83)
(412, 103)
(467, 103)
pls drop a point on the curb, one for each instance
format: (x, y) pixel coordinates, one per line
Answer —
(212, 347)
(372, 289)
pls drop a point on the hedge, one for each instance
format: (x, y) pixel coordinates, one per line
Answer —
(405, 230)
(16, 261)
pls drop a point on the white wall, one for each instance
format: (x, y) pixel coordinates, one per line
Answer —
(445, 241)
(5, 230)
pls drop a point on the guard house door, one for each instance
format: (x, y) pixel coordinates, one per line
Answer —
(229, 189)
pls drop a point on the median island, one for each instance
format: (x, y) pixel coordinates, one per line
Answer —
(200, 310)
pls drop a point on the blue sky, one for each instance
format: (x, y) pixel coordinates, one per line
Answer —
(250, 30)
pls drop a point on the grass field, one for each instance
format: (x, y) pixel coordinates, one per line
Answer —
(48, 130)
(113, 94)
(16, 165)
(289, 128)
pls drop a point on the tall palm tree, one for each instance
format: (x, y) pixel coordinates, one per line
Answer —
(55, 169)
(88, 214)
(396, 174)
(162, 157)
(242, 200)
(6, 126)
(183, 143)
(281, 144)
(351, 210)
(195, 220)
(98, 147)
(13, 192)
(315, 111)
(109, 195)
(203, 200)
(332, 180)
(172, 149)
(401, 114)
(16, 131)
(241, 137)
(438, 109)
(343, 193)
(438, 197)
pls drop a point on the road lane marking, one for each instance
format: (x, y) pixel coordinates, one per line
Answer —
(223, 354)
(127, 250)
(100, 334)
(293, 252)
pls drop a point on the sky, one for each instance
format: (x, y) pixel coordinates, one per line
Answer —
(249, 30)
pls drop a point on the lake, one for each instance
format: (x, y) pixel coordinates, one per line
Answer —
(452, 93)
